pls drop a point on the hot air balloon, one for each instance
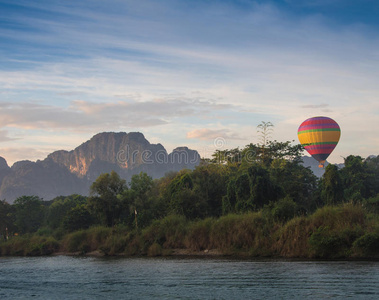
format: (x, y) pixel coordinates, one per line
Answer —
(319, 136)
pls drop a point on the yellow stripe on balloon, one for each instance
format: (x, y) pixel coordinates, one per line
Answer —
(319, 136)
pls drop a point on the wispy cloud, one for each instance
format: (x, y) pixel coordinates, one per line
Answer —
(13, 155)
(138, 65)
(212, 134)
(83, 115)
(4, 136)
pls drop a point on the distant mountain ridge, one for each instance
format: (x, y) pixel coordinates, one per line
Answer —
(72, 172)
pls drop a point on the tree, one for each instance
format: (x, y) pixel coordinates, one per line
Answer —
(295, 181)
(60, 207)
(265, 129)
(77, 218)
(210, 183)
(6, 219)
(372, 164)
(263, 189)
(227, 156)
(229, 200)
(29, 213)
(331, 186)
(182, 197)
(243, 193)
(138, 199)
(265, 155)
(104, 201)
(356, 179)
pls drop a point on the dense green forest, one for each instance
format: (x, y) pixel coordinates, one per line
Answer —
(255, 201)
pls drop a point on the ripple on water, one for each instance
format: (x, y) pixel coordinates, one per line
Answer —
(61, 277)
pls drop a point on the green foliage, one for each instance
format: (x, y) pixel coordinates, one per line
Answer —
(327, 243)
(250, 190)
(209, 184)
(246, 201)
(284, 210)
(357, 179)
(60, 207)
(86, 240)
(295, 181)
(331, 232)
(29, 213)
(372, 204)
(263, 189)
(104, 201)
(332, 191)
(29, 246)
(77, 217)
(183, 199)
(243, 194)
(367, 245)
(139, 199)
(7, 219)
(169, 232)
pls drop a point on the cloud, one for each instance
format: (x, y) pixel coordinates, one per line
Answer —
(143, 64)
(322, 105)
(87, 116)
(213, 134)
(23, 153)
(5, 138)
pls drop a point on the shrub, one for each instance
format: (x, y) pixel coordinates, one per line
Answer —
(74, 241)
(372, 204)
(367, 245)
(326, 243)
(155, 250)
(343, 216)
(169, 232)
(97, 236)
(284, 210)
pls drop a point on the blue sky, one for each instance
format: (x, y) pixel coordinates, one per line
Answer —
(186, 72)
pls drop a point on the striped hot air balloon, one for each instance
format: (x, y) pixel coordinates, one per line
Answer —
(319, 136)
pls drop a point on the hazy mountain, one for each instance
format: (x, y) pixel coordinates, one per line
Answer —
(69, 172)
(313, 164)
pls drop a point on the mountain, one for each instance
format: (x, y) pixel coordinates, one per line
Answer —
(314, 165)
(72, 172)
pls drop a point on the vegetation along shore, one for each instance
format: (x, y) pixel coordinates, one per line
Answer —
(258, 201)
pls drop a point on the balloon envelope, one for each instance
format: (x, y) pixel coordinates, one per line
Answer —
(319, 136)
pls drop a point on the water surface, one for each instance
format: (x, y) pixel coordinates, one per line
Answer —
(63, 277)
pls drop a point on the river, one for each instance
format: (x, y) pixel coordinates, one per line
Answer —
(64, 277)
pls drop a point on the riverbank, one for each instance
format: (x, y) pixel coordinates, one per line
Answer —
(332, 232)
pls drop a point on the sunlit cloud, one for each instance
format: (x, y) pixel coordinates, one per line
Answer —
(13, 155)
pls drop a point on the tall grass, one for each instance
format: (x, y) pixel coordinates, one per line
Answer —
(247, 233)
(169, 232)
(346, 230)
(29, 246)
(199, 235)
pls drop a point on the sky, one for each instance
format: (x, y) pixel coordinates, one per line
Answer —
(198, 73)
